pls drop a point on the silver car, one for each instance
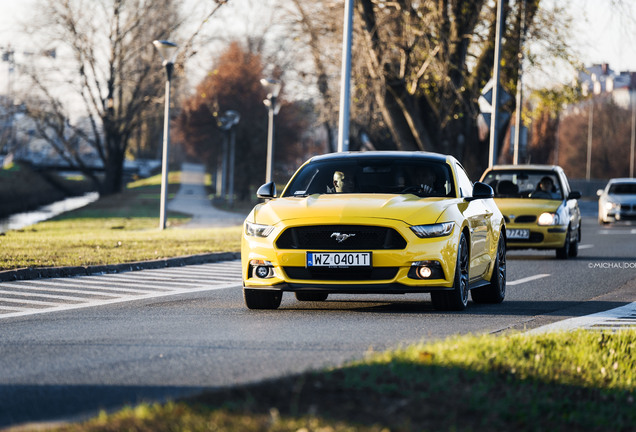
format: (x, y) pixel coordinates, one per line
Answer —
(617, 202)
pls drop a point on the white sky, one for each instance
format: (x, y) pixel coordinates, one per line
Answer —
(606, 34)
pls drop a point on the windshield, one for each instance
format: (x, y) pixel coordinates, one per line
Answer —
(421, 177)
(525, 184)
(622, 189)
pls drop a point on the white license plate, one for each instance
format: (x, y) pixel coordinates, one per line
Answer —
(338, 259)
(518, 234)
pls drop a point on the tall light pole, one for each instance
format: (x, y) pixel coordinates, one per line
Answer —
(519, 99)
(590, 125)
(345, 79)
(494, 126)
(272, 87)
(633, 141)
(167, 51)
(226, 123)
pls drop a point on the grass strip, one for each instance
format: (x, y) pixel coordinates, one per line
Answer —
(116, 229)
(574, 381)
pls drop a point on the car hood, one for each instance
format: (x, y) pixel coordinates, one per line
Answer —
(407, 208)
(622, 198)
(526, 206)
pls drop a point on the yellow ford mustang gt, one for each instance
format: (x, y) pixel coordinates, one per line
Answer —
(375, 222)
(541, 211)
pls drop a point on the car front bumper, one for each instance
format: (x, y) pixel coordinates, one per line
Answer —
(391, 270)
(541, 237)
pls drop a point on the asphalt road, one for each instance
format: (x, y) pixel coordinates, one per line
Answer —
(160, 334)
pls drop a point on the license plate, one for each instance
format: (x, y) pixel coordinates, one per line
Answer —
(518, 234)
(338, 259)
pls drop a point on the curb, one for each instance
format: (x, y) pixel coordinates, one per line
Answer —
(56, 272)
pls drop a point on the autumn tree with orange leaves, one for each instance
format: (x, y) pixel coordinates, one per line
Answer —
(233, 83)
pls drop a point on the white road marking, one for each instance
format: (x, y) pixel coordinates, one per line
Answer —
(59, 290)
(66, 307)
(614, 319)
(527, 279)
(617, 232)
(40, 295)
(586, 246)
(63, 294)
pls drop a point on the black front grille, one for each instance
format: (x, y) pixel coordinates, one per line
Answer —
(525, 219)
(325, 237)
(345, 274)
(521, 219)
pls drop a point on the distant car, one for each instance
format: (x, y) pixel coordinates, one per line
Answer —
(617, 202)
(375, 222)
(540, 210)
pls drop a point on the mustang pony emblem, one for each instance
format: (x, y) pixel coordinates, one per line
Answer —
(341, 237)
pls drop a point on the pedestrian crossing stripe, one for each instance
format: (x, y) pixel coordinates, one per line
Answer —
(29, 297)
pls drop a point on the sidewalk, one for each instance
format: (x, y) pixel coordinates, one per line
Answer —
(192, 198)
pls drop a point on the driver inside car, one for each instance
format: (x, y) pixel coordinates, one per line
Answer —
(341, 183)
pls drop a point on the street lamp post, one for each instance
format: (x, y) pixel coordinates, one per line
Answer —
(168, 51)
(272, 87)
(226, 123)
(494, 125)
(345, 79)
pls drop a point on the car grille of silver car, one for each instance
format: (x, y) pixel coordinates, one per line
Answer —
(340, 237)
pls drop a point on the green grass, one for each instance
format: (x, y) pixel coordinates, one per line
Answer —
(577, 381)
(116, 229)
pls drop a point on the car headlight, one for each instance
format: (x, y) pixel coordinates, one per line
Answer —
(434, 230)
(609, 205)
(257, 230)
(548, 219)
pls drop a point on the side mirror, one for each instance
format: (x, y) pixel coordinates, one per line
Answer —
(599, 192)
(574, 195)
(267, 191)
(481, 191)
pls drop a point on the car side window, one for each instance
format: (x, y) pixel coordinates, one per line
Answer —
(464, 183)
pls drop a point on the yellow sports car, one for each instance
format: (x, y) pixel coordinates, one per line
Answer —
(541, 211)
(375, 222)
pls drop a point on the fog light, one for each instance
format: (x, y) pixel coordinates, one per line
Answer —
(424, 272)
(262, 272)
(261, 269)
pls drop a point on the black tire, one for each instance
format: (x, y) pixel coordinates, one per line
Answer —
(574, 246)
(495, 291)
(262, 299)
(564, 251)
(311, 296)
(457, 299)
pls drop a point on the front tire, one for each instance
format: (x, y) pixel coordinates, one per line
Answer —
(564, 252)
(495, 292)
(457, 299)
(574, 247)
(262, 299)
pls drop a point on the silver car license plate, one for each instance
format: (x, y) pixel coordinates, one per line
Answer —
(338, 259)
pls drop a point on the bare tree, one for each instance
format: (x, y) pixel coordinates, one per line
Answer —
(107, 80)
(419, 66)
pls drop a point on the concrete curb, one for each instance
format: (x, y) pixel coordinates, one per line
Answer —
(56, 272)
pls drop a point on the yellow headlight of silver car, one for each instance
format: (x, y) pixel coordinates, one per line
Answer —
(375, 222)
